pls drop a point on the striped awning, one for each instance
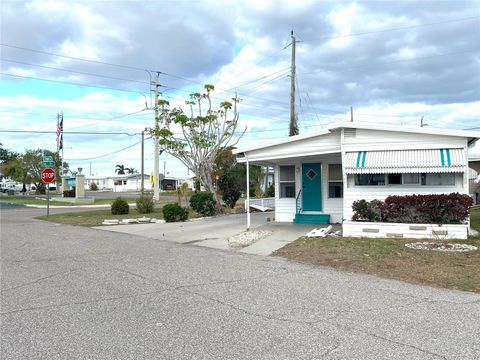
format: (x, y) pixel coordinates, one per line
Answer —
(405, 161)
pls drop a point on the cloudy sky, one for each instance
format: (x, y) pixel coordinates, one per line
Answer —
(392, 61)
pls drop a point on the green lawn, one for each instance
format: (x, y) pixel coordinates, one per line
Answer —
(390, 258)
(96, 217)
(42, 200)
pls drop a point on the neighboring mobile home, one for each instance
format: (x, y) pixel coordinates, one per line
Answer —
(318, 176)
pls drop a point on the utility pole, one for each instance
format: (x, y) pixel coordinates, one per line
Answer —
(351, 114)
(421, 122)
(142, 169)
(156, 170)
(293, 120)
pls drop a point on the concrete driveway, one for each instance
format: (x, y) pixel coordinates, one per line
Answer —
(69, 292)
(214, 232)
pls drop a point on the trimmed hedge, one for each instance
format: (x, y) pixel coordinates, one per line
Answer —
(416, 209)
(69, 193)
(203, 203)
(174, 213)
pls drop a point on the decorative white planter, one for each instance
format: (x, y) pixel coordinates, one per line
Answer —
(408, 231)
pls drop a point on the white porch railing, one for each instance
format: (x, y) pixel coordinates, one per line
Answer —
(267, 202)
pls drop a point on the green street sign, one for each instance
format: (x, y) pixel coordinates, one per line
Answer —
(48, 161)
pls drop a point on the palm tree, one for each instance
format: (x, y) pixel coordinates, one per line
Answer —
(120, 169)
(182, 191)
(130, 170)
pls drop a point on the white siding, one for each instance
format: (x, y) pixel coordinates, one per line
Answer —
(306, 147)
(366, 140)
(353, 193)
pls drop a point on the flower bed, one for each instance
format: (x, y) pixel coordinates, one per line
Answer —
(404, 230)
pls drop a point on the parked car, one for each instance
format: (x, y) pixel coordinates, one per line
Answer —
(5, 187)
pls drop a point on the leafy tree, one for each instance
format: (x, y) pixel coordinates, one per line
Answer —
(7, 155)
(223, 161)
(120, 169)
(231, 184)
(27, 167)
(204, 132)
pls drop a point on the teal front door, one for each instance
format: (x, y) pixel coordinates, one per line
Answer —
(312, 187)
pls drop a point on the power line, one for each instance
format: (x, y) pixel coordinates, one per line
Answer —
(112, 153)
(392, 62)
(71, 83)
(393, 29)
(78, 59)
(68, 132)
(74, 71)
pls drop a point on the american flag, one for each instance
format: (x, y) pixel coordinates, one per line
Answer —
(60, 132)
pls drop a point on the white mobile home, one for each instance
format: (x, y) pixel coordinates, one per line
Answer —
(318, 176)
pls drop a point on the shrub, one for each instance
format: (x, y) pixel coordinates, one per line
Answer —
(69, 193)
(174, 213)
(145, 203)
(421, 209)
(120, 206)
(367, 211)
(93, 186)
(203, 203)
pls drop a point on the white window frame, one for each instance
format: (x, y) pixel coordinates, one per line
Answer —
(340, 181)
(285, 182)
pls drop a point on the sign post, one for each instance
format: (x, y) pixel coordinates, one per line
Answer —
(48, 176)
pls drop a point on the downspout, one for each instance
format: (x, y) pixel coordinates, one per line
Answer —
(248, 194)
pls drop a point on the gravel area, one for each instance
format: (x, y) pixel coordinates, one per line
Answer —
(247, 238)
(441, 247)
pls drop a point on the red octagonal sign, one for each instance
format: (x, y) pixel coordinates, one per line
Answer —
(48, 175)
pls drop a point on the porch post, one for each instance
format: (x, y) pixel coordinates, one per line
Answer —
(248, 194)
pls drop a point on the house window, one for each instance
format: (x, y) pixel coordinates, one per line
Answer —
(287, 181)
(395, 179)
(369, 179)
(411, 179)
(438, 179)
(335, 181)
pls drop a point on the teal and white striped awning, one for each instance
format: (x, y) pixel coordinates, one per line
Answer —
(405, 161)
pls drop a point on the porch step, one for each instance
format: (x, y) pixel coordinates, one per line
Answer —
(311, 219)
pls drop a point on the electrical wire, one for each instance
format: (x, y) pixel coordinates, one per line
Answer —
(71, 83)
(74, 71)
(391, 62)
(393, 29)
(112, 153)
(78, 59)
(68, 132)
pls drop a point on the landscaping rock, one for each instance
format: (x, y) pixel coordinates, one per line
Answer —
(129, 221)
(110, 222)
(441, 246)
(247, 238)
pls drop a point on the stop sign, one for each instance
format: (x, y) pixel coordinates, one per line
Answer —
(48, 175)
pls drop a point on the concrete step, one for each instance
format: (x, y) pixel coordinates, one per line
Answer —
(311, 219)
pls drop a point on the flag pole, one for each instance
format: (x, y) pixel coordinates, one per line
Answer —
(62, 146)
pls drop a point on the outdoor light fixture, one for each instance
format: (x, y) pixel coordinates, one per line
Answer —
(80, 171)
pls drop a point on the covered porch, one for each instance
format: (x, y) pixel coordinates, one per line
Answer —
(308, 190)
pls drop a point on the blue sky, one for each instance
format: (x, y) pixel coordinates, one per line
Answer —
(394, 62)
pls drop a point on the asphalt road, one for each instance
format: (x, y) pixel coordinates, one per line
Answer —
(70, 292)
